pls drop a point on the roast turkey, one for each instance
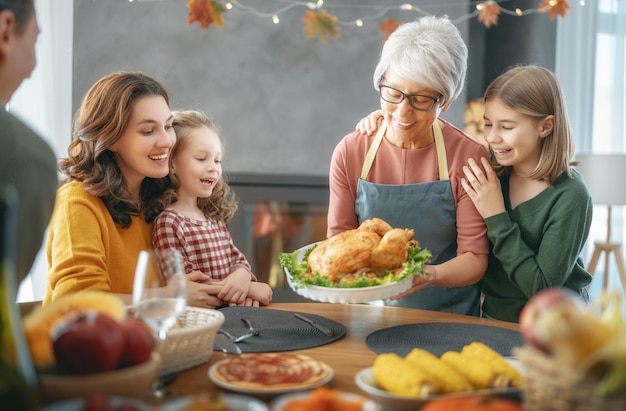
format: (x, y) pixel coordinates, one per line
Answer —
(372, 248)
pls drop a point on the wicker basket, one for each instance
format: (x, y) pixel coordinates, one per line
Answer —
(549, 386)
(190, 344)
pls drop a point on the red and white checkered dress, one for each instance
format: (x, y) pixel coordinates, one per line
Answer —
(207, 246)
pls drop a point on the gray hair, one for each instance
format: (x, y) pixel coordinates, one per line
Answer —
(429, 51)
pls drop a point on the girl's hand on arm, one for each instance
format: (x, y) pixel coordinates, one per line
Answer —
(483, 188)
(236, 287)
(260, 292)
(249, 302)
(370, 124)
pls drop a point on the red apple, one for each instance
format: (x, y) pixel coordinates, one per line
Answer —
(558, 322)
(542, 310)
(87, 342)
(101, 402)
(140, 342)
(96, 402)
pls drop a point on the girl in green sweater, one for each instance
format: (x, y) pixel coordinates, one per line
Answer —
(537, 208)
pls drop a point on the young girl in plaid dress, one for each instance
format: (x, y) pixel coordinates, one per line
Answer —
(197, 205)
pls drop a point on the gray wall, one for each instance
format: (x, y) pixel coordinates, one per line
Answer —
(529, 39)
(282, 101)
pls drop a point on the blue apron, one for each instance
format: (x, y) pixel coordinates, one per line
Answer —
(429, 209)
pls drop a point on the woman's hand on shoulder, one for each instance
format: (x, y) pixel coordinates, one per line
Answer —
(483, 187)
(368, 125)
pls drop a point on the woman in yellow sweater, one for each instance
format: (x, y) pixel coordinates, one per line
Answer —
(122, 137)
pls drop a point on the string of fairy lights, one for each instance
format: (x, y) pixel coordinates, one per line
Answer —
(322, 16)
(380, 10)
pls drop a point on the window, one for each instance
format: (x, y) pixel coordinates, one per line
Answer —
(608, 115)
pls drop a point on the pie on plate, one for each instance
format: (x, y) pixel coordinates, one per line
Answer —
(268, 373)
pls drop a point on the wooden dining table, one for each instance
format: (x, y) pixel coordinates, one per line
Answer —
(347, 355)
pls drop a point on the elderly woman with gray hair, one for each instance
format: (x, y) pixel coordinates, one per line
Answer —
(409, 172)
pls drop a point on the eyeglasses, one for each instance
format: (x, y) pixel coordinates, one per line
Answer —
(417, 101)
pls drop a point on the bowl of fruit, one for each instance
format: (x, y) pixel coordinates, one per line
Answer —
(574, 356)
(87, 344)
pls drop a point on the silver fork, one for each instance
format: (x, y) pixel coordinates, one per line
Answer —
(227, 334)
(252, 332)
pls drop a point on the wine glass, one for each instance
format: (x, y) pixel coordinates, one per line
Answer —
(160, 294)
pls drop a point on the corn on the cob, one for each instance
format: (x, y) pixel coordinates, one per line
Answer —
(447, 379)
(497, 363)
(396, 375)
(477, 372)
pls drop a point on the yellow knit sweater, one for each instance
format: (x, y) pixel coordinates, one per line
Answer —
(86, 250)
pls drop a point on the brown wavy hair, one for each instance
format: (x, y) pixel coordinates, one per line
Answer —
(221, 205)
(98, 124)
(535, 92)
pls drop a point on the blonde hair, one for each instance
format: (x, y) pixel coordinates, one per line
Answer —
(221, 205)
(535, 92)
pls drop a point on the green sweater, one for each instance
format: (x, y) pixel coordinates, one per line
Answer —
(537, 245)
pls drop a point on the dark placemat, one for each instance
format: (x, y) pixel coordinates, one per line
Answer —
(438, 338)
(280, 330)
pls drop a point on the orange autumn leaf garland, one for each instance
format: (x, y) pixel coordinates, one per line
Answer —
(554, 7)
(205, 12)
(324, 25)
(488, 14)
(388, 27)
(321, 24)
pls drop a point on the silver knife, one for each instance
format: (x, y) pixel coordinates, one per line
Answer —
(224, 344)
(320, 327)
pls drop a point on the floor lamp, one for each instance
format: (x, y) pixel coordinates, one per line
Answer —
(604, 174)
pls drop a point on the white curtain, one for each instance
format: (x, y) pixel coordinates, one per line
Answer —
(609, 124)
(575, 67)
(44, 101)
